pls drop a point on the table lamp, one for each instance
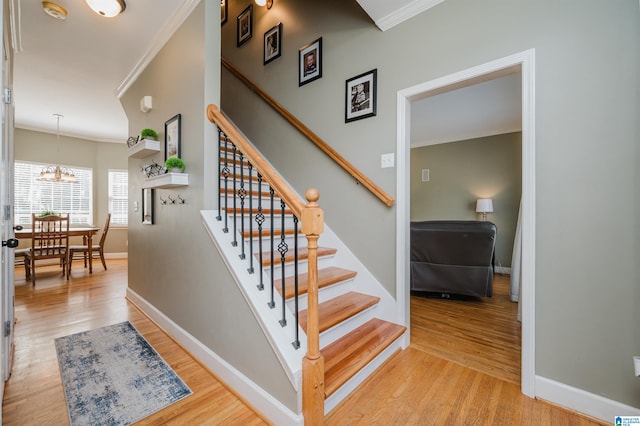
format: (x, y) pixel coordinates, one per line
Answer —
(484, 206)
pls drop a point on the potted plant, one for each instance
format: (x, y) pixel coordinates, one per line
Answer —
(174, 164)
(149, 134)
(47, 213)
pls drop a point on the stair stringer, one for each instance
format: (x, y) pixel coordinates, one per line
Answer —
(280, 338)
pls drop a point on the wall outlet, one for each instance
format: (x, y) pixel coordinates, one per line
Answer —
(386, 160)
(425, 175)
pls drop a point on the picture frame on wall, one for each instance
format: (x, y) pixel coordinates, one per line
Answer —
(224, 10)
(310, 62)
(361, 96)
(172, 142)
(147, 206)
(272, 43)
(245, 25)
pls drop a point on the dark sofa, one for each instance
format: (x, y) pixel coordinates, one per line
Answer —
(453, 257)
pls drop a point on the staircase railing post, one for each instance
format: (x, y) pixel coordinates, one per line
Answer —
(313, 362)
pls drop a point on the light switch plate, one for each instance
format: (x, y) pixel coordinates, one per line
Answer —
(387, 160)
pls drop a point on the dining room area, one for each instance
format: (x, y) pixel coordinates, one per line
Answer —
(96, 202)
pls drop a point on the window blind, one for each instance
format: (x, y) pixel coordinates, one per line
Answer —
(118, 196)
(33, 196)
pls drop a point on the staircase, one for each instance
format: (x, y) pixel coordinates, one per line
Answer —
(260, 240)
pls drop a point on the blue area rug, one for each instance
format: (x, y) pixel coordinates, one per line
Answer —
(112, 376)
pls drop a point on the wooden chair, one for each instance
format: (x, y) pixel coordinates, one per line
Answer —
(50, 240)
(96, 249)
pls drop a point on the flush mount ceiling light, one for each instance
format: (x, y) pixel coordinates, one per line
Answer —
(107, 8)
(268, 3)
(54, 10)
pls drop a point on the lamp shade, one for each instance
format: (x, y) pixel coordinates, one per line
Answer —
(484, 205)
(107, 8)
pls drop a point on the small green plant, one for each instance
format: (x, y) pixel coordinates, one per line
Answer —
(47, 213)
(174, 163)
(149, 134)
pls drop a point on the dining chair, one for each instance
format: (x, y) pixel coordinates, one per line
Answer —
(50, 240)
(75, 252)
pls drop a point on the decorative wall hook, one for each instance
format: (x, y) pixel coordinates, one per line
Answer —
(180, 199)
(163, 201)
(171, 200)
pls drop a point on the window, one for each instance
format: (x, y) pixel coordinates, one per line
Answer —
(33, 196)
(118, 196)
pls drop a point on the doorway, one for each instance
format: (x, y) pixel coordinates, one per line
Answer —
(524, 63)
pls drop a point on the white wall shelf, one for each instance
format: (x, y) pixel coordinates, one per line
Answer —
(168, 180)
(144, 148)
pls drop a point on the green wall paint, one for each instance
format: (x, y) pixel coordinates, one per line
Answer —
(460, 173)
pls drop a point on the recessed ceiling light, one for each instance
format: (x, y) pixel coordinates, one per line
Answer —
(54, 10)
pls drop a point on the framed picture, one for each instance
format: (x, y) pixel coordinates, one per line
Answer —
(245, 25)
(172, 141)
(147, 206)
(360, 96)
(223, 11)
(310, 62)
(272, 43)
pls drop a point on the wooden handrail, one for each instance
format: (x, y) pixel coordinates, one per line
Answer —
(284, 191)
(312, 221)
(324, 147)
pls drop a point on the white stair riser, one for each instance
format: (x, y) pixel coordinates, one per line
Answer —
(325, 293)
(347, 326)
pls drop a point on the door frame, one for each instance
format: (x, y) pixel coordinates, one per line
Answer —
(523, 62)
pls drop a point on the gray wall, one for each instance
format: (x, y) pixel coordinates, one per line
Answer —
(174, 264)
(99, 156)
(587, 136)
(460, 173)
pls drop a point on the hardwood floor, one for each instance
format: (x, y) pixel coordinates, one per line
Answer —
(480, 333)
(413, 388)
(55, 308)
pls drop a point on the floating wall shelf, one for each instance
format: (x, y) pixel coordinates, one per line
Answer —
(144, 148)
(168, 180)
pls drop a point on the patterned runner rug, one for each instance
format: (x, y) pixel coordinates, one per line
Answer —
(112, 376)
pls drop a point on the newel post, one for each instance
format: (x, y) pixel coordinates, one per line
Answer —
(313, 362)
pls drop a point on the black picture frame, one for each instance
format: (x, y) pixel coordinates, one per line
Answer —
(148, 215)
(361, 96)
(224, 11)
(172, 138)
(245, 26)
(272, 43)
(310, 62)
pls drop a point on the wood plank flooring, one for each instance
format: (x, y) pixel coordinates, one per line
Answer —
(479, 333)
(55, 308)
(413, 388)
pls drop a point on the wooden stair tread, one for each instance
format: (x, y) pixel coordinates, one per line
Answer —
(266, 232)
(254, 211)
(302, 254)
(264, 194)
(326, 277)
(349, 354)
(338, 309)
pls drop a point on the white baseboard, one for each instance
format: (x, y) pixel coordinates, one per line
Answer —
(124, 255)
(230, 376)
(582, 401)
(502, 270)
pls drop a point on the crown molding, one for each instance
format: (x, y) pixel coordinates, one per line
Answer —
(162, 37)
(404, 13)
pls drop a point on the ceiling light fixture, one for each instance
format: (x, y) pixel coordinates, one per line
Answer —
(57, 173)
(54, 10)
(107, 8)
(268, 3)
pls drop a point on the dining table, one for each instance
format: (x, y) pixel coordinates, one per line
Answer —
(87, 232)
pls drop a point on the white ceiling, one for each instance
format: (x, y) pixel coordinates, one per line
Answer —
(488, 108)
(74, 67)
(78, 66)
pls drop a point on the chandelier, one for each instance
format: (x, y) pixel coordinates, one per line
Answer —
(57, 173)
